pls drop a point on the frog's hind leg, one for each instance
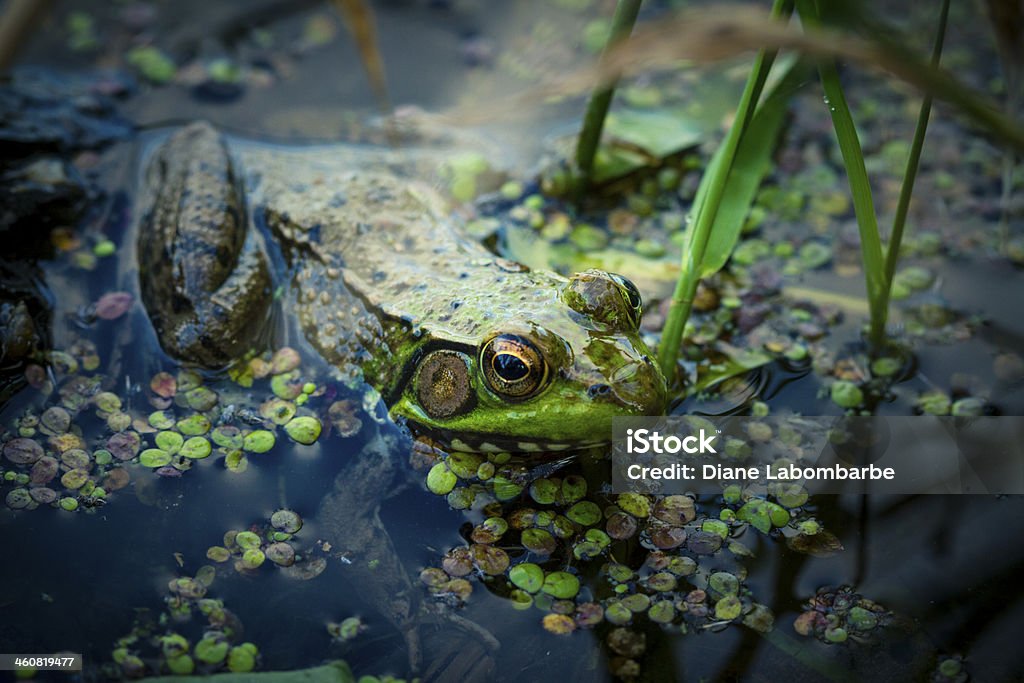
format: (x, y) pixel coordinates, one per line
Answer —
(203, 275)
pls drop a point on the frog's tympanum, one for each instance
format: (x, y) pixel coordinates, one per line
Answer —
(477, 351)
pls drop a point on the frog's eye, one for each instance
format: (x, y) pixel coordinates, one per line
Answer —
(442, 384)
(631, 295)
(513, 367)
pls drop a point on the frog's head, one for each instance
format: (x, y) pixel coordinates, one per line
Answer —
(550, 379)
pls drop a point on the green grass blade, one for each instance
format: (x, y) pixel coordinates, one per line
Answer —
(753, 161)
(860, 187)
(892, 254)
(601, 99)
(707, 204)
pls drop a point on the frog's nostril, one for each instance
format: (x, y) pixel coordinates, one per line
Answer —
(596, 390)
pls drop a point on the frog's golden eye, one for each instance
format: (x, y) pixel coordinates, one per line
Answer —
(631, 295)
(442, 384)
(513, 367)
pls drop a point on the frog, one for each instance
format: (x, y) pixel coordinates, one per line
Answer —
(469, 349)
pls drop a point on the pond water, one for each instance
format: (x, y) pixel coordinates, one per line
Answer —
(941, 570)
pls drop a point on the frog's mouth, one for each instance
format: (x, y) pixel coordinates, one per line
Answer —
(488, 443)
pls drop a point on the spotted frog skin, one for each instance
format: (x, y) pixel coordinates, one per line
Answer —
(478, 351)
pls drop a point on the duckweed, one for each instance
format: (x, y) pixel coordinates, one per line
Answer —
(304, 430)
(527, 576)
(561, 585)
(196, 448)
(154, 457)
(258, 441)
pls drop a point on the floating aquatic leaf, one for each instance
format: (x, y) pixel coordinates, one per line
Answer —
(218, 553)
(636, 603)
(861, 619)
(161, 419)
(489, 559)
(154, 457)
(544, 491)
(457, 562)
(124, 445)
(433, 578)
(561, 585)
(621, 526)
(168, 441)
(284, 360)
(281, 554)
(846, 394)
(206, 574)
(527, 576)
(715, 526)
(662, 582)
(181, 665)
(822, 543)
(73, 479)
(174, 645)
(288, 521)
(464, 465)
(589, 614)
(286, 386)
(460, 589)
(664, 536)
(759, 618)
(196, 448)
(116, 479)
(538, 541)
(723, 583)
(574, 487)
(242, 658)
(55, 420)
(168, 472)
(227, 436)
(763, 514)
(113, 305)
(253, 558)
(43, 495)
(65, 442)
(617, 613)
(440, 479)
(675, 510)
(635, 504)
(201, 398)
(304, 429)
(258, 441)
(277, 410)
(69, 504)
(18, 498)
(194, 425)
(521, 600)
(235, 461)
(662, 612)
(584, 513)
(559, 624)
(119, 421)
(506, 489)
(704, 543)
(22, 451)
(211, 650)
(728, 608)
(107, 402)
(245, 540)
(188, 379)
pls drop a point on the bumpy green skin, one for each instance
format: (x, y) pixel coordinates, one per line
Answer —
(381, 278)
